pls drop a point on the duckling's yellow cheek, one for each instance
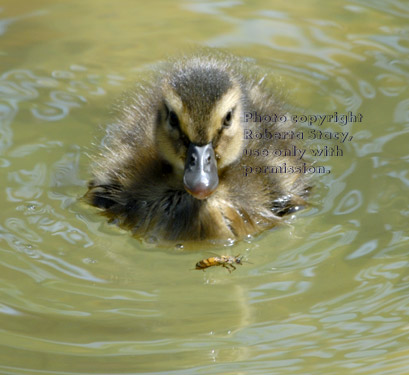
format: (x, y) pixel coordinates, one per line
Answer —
(229, 149)
(170, 151)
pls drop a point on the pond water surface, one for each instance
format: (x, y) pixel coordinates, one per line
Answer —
(326, 293)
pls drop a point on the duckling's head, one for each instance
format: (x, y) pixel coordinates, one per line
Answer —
(198, 129)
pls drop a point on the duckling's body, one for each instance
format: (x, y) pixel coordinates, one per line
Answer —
(172, 167)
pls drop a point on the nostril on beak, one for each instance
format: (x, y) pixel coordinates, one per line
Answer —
(200, 177)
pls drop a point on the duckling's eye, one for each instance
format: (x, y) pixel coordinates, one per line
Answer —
(228, 119)
(173, 120)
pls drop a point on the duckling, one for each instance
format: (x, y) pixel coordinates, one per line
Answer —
(172, 166)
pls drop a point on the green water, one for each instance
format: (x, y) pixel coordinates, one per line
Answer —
(326, 293)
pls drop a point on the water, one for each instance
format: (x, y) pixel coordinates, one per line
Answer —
(326, 293)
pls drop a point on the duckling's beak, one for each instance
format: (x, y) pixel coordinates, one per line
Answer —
(200, 176)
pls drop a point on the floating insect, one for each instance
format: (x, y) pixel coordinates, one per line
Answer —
(226, 261)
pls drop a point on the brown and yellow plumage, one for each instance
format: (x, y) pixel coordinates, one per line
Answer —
(171, 166)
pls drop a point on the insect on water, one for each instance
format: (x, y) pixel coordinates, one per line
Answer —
(226, 261)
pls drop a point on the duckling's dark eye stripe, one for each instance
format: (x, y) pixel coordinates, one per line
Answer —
(228, 118)
(172, 117)
(173, 120)
(184, 139)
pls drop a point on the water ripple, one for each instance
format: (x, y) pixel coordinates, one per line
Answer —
(325, 294)
(349, 203)
(47, 98)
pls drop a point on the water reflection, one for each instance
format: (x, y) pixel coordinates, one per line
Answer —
(59, 106)
(326, 293)
(20, 86)
(349, 203)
